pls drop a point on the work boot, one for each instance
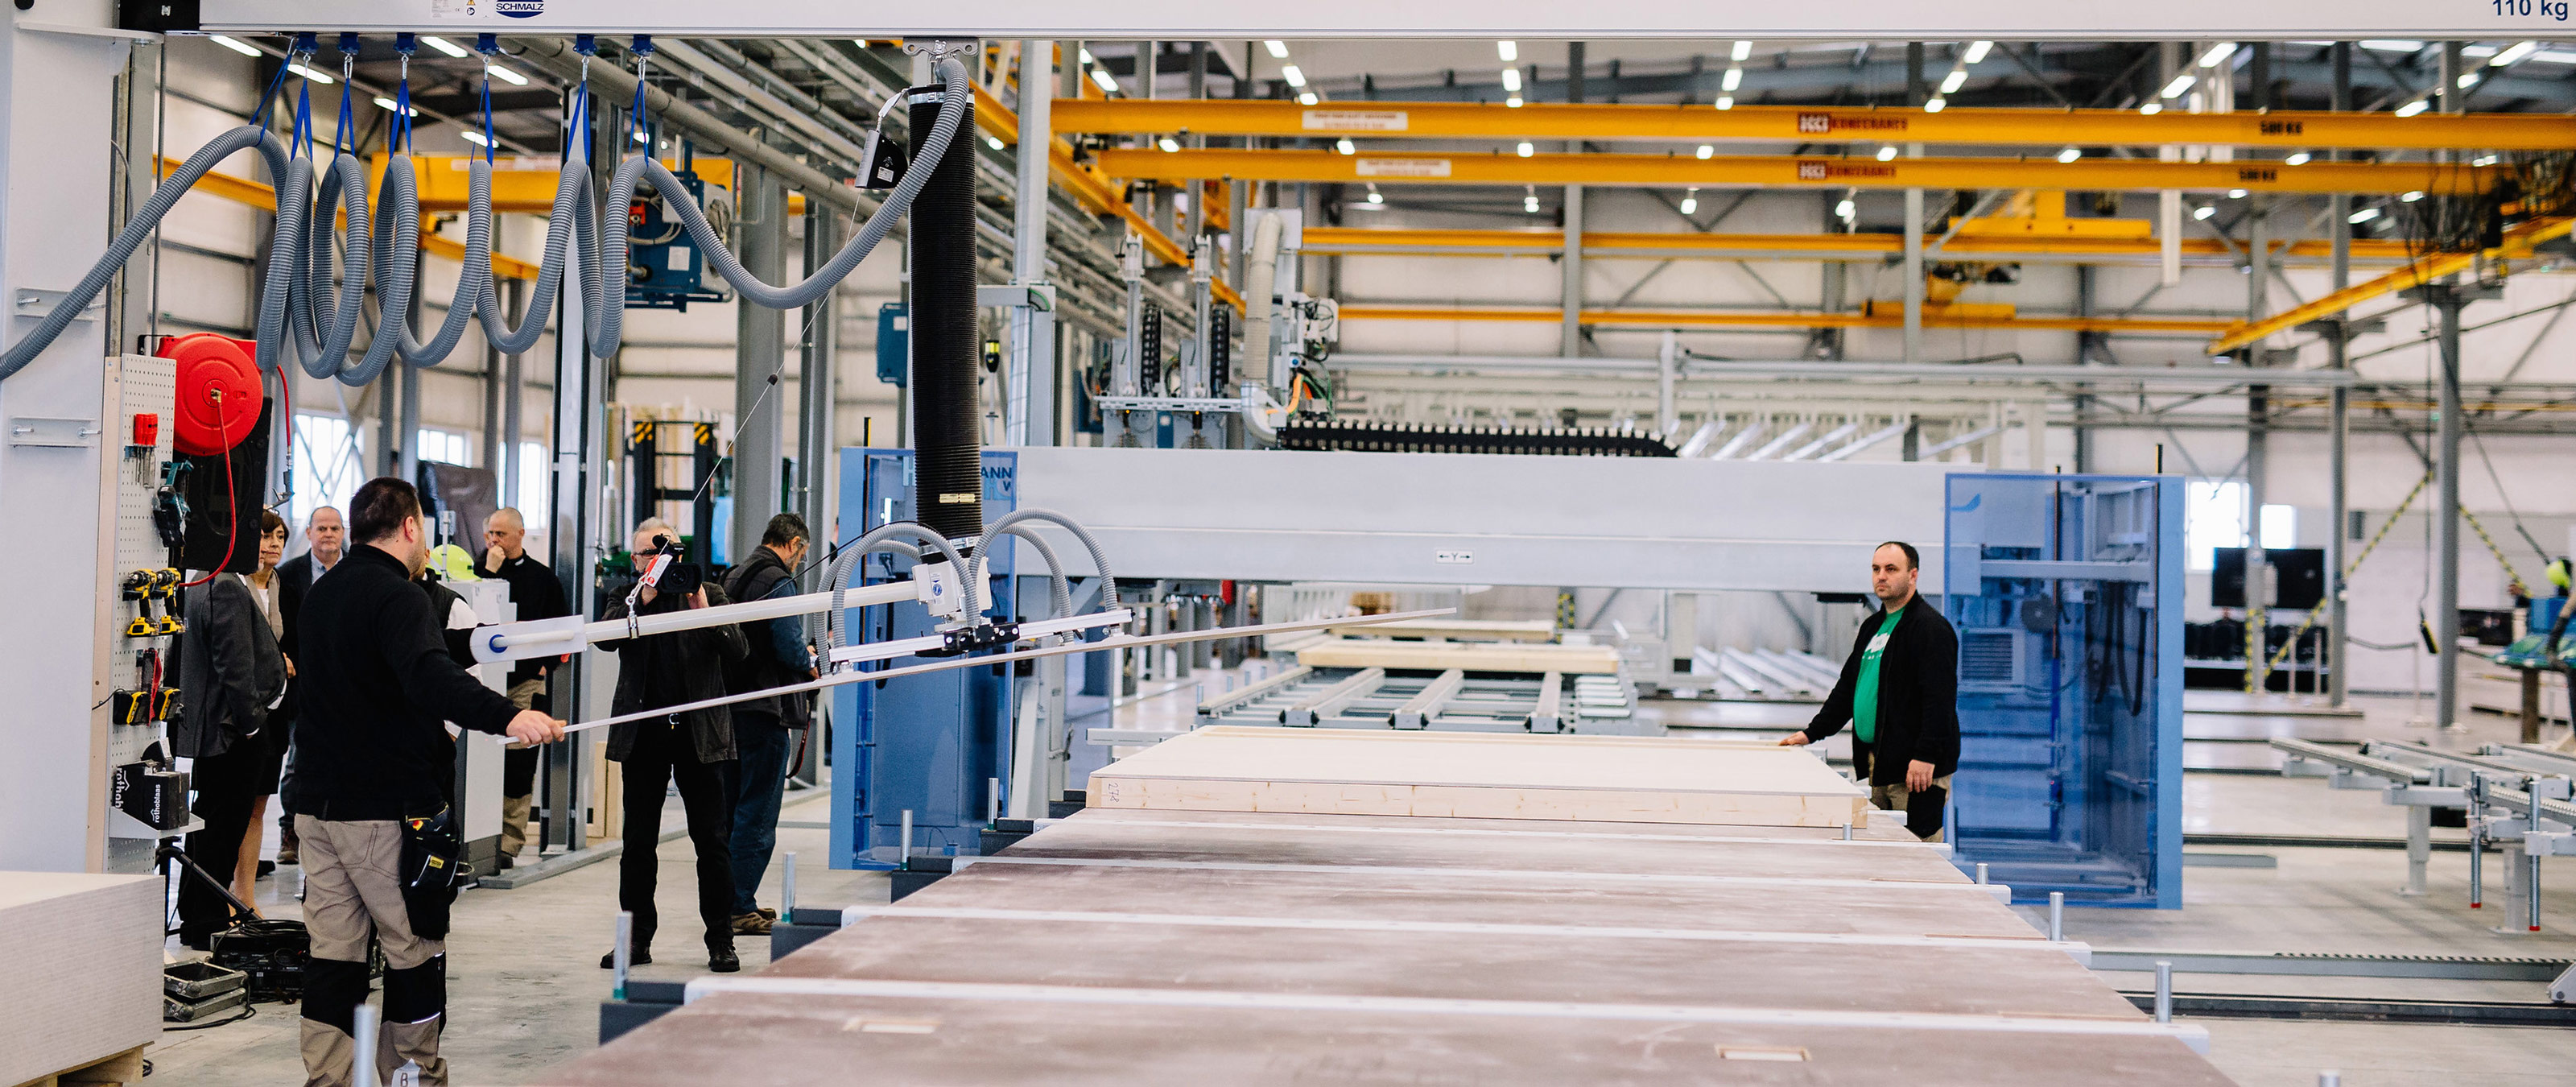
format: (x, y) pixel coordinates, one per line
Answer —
(722, 960)
(643, 957)
(769, 913)
(752, 924)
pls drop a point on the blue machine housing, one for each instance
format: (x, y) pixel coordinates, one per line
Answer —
(928, 744)
(666, 271)
(2067, 592)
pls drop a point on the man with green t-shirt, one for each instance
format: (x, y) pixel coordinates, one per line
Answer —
(1899, 690)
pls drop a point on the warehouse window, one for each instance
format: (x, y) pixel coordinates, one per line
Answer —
(443, 446)
(329, 465)
(2213, 517)
(536, 499)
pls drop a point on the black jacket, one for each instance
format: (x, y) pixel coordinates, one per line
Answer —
(229, 669)
(1918, 697)
(777, 655)
(378, 685)
(700, 657)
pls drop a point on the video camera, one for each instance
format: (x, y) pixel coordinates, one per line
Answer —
(665, 568)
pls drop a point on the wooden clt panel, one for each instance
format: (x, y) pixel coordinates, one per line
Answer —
(1793, 171)
(2049, 128)
(1472, 656)
(1617, 779)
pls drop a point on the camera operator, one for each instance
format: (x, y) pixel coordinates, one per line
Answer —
(694, 748)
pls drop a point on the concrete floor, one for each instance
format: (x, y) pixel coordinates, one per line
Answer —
(524, 979)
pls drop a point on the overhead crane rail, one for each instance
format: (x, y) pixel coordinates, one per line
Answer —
(1793, 171)
(2052, 128)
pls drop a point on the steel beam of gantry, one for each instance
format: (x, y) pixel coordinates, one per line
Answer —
(1801, 124)
(1790, 171)
(2518, 243)
(1859, 248)
(1933, 317)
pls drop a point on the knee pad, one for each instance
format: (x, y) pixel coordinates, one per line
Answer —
(417, 993)
(333, 989)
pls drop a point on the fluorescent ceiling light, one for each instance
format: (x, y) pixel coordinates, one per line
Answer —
(1509, 51)
(1526, 150)
(1307, 99)
(388, 104)
(1345, 146)
(235, 46)
(1295, 76)
(1976, 52)
(1513, 102)
(1086, 57)
(2152, 108)
(510, 77)
(2413, 196)
(640, 137)
(2393, 45)
(1743, 51)
(2217, 53)
(1847, 209)
(2236, 194)
(1934, 106)
(1690, 202)
(2515, 52)
(2204, 211)
(1512, 80)
(2180, 84)
(2299, 159)
(443, 45)
(309, 73)
(1167, 143)
(2364, 215)
(1951, 83)
(1108, 83)
(2483, 160)
(2070, 154)
(1726, 101)
(2480, 51)
(1887, 153)
(473, 137)
(1529, 204)
(1375, 197)
(2554, 56)
(2412, 108)
(2468, 80)
(1278, 49)
(1734, 78)
(1705, 150)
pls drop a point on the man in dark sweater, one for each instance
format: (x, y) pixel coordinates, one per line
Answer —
(539, 595)
(1900, 693)
(764, 729)
(371, 754)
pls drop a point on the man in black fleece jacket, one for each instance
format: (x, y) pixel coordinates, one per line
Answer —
(1900, 693)
(371, 750)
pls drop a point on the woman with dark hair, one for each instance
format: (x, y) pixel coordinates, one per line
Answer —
(231, 678)
(266, 591)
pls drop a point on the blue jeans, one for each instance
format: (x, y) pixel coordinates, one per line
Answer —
(762, 744)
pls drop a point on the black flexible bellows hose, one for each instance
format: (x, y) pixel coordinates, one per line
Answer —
(948, 453)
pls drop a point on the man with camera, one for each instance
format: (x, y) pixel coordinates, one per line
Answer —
(367, 789)
(695, 748)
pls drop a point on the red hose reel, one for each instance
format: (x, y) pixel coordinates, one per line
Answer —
(219, 395)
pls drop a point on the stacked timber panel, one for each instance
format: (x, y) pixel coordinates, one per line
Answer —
(1148, 946)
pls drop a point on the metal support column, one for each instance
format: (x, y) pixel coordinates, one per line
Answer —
(2258, 412)
(2447, 299)
(579, 424)
(1916, 94)
(1571, 345)
(2338, 408)
(818, 389)
(1032, 380)
(760, 355)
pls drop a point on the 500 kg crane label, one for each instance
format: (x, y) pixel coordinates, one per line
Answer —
(1355, 120)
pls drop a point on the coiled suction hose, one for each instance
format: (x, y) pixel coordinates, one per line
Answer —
(300, 315)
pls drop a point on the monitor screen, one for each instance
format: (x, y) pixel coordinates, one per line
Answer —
(2298, 578)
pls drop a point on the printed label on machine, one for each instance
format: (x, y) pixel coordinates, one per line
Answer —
(1355, 120)
(1403, 167)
